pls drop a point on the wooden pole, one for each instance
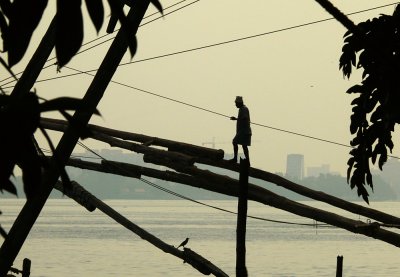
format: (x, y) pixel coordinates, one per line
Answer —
(184, 148)
(86, 199)
(191, 257)
(26, 268)
(241, 270)
(215, 160)
(36, 63)
(222, 184)
(32, 208)
(339, 266)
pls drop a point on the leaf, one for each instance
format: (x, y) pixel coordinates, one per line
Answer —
(116, 10)
(30, 165)
(96, 12)
(369, 179)
(8, 68)
(63, 103)
(5, 6)
(114, 15)
(4, 31)
(365, 195)
(377, 115)
(132, 44)
(23, 20)
(158, 6)
(9, 186)
(383, 157)
(350, 163)
(69, 30)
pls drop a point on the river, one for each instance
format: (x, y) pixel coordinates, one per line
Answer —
(69, 241)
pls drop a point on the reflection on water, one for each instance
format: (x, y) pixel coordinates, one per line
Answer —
(69, 241)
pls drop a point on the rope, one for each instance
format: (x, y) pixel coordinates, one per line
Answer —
(204, 204)
(223, 115)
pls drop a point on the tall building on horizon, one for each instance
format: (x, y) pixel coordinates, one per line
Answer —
(295, 166)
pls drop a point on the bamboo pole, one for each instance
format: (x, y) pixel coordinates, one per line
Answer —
(60, 125)
(185, 148)
(198, 262)
(11, 246)
(32, 208)
(339, 266)
(241, 270)
(225, 185)
(36, 63)
(26, 268)
(307, 192)
(78, 193)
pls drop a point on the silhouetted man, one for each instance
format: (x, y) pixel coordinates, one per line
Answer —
(243, 130)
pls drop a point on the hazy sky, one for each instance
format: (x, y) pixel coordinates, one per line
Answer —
(289, 79)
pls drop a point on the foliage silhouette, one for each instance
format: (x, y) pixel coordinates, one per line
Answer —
(19, 117)
(19, 19)
(375, 109)
(18, 123)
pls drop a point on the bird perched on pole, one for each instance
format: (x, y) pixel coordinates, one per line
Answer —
(183, 243)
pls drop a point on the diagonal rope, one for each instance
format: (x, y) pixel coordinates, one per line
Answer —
(202, 203)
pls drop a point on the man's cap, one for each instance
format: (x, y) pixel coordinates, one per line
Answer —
(239, 99)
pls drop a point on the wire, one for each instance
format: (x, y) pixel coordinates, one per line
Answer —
(105, 35)
(241, 39)
(206, 46)
(223, 115)
(72, 155)
(217, 113)
(250, 37)
(220, 114)
(100, 43)
(202, 203)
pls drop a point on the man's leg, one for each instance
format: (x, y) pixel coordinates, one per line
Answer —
(246, 152)
(235, 152)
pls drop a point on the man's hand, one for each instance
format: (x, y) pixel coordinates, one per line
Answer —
(233, 118)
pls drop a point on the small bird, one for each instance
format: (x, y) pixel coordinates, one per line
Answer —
(183, 243)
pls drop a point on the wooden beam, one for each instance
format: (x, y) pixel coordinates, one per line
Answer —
(60, 125)
(197, 261)
(241, 270)
(36, 63)
(32, 208)
(78, 193)
(184, 148)
(225, 185)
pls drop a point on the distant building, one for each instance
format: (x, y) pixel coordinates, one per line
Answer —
(295, 166)
(315, 171)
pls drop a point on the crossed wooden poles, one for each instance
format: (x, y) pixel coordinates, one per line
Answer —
(176, 158)
(182, 157)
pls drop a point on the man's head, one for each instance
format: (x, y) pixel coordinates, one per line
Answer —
(239, 101)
